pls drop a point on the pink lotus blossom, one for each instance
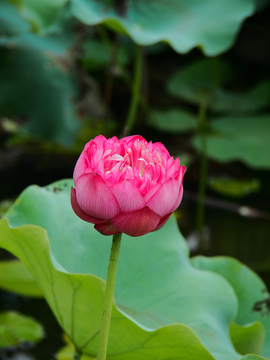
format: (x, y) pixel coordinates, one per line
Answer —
(126, 185)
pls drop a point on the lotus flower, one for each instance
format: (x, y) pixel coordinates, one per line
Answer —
(127, 185)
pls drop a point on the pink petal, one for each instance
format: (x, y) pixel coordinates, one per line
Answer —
(178, 200)
(128, 196)
(100, 139)
(106, 228)
(159, 147)
(181, 174)
(136, 223)
(79, 167)
(131, 138)
(164, 199)
(152, 191)
(78, 211)
(163, 221)
(95, 197)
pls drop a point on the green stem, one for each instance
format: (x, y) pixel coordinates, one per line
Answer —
(108, 298)
(203, 169)
(136, 89)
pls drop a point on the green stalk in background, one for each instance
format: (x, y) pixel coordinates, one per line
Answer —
(202, 127)
(136, 89)
(108, 298)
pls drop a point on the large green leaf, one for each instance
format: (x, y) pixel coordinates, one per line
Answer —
(240, 138)
(16, 329)
(184, 25)
(156, 284)
(34, 82)
(15, 277)
(249, 288)
(252, 357)
(77, 301)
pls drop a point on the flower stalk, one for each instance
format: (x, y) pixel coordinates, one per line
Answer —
(108, 298)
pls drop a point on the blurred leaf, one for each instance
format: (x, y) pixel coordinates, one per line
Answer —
(248, 338)
(173, 120)
(97, 55)
(4, 206)
(240, 138)
(156, 285)
(16, 329)
(42, 13)
(234, 187)
(15, 277)
(248, 287)
(10, 21)
(35, 84)
(200, 81)
(184, 25)
(252, 100)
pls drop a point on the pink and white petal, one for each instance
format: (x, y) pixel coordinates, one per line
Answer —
(133, 138)
(181, 174)
(100, 139)
(136, 223)
(152, 191)
(79, 212)
(163, 221)
(164, 199)
(106, 228)
(159, 147)
(95, 197)
(128, 196)
(79, 167)
(178, 200)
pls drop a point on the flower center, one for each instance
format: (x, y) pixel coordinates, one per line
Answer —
(142, 163)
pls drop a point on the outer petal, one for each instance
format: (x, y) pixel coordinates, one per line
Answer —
(128, 196)
(178, 200)
(106, 228)
(99, 139)
(181, 174)
(78, 211)
(79, 167)
(95, 197)
(152, 191)
(164, 199)
(136, 223)
(162, 222)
